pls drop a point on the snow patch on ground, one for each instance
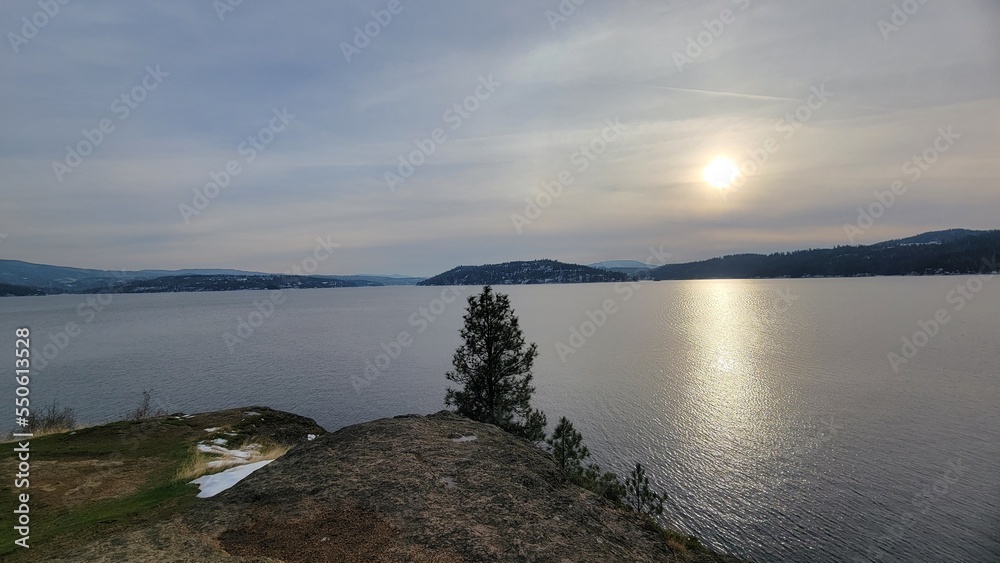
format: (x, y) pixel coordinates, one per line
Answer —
(310, 437)
(212, 429)
(212, 485)
(252, 413)
(225, 452)
(220, 441)
(464, 438)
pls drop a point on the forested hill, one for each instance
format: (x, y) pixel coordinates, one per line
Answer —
(532, 272)
(25, 278)
(8, 290)
(949, 253)
(231, 283)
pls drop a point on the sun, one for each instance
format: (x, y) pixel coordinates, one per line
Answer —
(721, 173)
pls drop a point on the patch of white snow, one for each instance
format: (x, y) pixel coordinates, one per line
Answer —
(212, 485)
(219, 450)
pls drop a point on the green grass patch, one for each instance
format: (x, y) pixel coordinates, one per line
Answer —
(166, 443)
(52, 532)
(72, 471)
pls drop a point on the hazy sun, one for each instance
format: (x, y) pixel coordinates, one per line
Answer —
(721, 173)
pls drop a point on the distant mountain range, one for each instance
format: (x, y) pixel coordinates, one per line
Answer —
(532, 272)
(232, 283)
(25, 278)
(934, 237)
(956, 251)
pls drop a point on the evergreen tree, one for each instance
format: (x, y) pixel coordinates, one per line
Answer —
(493, 365)
(567, 447)
(640, 496)
(604, 483)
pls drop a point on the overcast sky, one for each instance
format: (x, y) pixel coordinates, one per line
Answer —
(199, 80)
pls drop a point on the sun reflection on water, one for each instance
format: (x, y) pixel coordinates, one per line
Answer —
(729, 392)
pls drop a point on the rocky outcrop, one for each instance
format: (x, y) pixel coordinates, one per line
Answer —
(434, 488)
(415, 488)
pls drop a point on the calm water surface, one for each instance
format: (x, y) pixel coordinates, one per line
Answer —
(767, 410)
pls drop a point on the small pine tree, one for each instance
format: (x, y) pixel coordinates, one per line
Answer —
(640, 496)
(604, 483)
(567, 447)
(493, 365)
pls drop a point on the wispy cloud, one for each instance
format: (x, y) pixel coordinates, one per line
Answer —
(716, 93)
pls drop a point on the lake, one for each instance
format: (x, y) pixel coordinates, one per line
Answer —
(768, 410)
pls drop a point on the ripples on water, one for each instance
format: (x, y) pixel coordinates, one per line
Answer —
(766, 409)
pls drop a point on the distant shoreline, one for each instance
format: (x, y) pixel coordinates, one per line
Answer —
(868, 276)
(952, 252)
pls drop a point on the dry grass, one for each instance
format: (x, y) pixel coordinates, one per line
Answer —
(269, 450)
(679, 549)
(52, 430)
(9, 437)
(205, 463)
(684, 547)
(196, 466)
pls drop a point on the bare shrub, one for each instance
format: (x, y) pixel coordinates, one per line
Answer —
(145, 410)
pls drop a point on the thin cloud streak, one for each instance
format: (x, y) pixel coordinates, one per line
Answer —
(711, 92)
